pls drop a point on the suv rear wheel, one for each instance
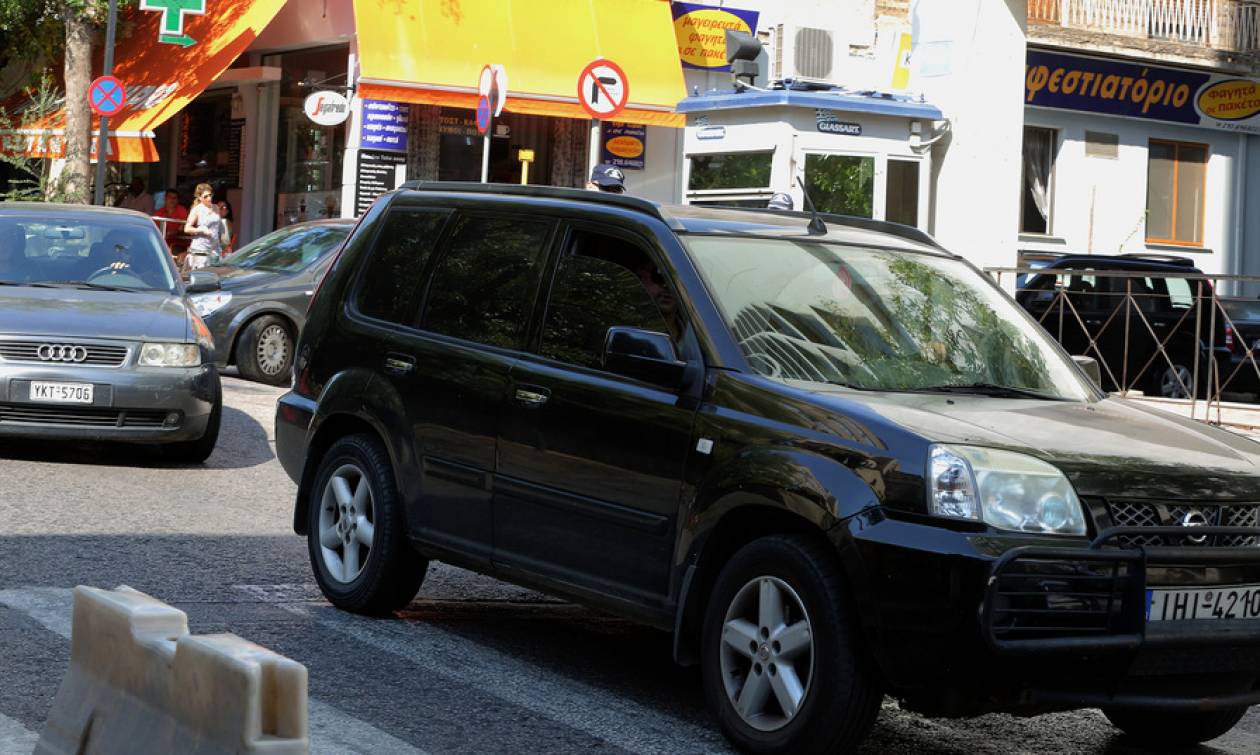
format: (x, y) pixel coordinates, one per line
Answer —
(1164, 729)
(782, 665)
(355, 530)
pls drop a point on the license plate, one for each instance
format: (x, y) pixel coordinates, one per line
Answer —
(1233, 602)
(62, 393)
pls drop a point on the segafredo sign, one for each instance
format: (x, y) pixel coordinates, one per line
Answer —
(327, 108)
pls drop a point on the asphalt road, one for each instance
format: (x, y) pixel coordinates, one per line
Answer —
(473, 666)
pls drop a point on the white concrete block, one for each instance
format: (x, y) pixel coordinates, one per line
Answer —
(139, 682)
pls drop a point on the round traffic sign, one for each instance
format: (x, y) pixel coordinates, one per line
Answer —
(603, 89)
(106, 95)
(483, 114)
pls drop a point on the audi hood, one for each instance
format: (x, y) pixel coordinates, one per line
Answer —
(64, 312)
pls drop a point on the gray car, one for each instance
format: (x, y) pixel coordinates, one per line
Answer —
(259, 305)
(98, 340)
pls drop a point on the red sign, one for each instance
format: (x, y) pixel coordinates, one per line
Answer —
(603, 89)
(106, 95)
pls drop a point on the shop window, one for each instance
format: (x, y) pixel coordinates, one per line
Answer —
(484, 285)
(390, 283)
(843, 184)
(901, 203)
(1040, 145)
(733, 170)
(1176, 186)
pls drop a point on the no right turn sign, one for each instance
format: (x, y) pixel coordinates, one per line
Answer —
(603, 89)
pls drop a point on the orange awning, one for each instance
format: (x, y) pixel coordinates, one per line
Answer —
(160, 78)
(432, 53)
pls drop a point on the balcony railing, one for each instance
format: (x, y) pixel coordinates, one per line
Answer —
(1232, 25)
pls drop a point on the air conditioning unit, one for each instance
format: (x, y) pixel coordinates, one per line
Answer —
(807, 54)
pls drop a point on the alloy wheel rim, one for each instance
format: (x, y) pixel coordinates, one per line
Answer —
(1170, 387)
(273, 349)
(346, 523)
(767, 653)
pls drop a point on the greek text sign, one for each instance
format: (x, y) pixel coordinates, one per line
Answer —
(701, 33)
(624, 144)
(384, 125)
(1098, 85)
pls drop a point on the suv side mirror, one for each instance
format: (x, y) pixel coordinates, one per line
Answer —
(1090, 366)
(200, 281)
(643, 354)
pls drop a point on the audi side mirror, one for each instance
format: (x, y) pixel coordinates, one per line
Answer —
(643, 354)
(200, 281)
(1089, 366)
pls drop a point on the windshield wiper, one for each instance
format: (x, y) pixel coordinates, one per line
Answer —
(987, 389)
(32, 284)
(87, 285)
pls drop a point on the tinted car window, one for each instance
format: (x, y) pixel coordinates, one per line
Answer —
(391, 280)
(290, 249)
(83, 251)
(484, 284)
(589, 295)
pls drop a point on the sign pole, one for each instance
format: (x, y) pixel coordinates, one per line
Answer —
(102, 138)
(485, 158)
(594, 151)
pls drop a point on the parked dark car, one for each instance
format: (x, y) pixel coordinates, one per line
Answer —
(98, 340)
(835, 463)
(1242, 338)
(260, 304)
(1097, 288)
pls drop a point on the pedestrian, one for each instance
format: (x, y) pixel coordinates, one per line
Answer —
(175, 214)
(607, 178)
(137, 198)
(206, 227)
(229, 228)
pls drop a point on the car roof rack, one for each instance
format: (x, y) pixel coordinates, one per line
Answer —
(550, 192)
(1172, 259)
(900, 230)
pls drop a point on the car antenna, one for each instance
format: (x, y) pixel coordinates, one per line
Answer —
(816, 225)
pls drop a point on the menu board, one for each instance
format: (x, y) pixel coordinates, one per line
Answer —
(236, 141)
(374, 177)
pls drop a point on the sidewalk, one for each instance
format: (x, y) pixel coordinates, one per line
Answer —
(1240, 418)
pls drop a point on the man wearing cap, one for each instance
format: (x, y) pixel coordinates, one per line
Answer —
(607, 178)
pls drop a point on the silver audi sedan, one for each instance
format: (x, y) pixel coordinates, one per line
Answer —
(98, 340)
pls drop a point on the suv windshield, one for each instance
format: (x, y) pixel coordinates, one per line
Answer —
(877, 320)
(290, 249)
(82, 252)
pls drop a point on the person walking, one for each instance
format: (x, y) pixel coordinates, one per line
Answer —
(229, 229)
(206, 227)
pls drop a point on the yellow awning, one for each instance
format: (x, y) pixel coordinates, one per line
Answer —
(432, 53)
(160, 78)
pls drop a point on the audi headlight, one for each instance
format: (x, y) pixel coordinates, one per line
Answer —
(1007, 490)
(211, 301)
(170, 355)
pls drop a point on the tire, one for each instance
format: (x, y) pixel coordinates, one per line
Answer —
(1168, 729)
(840, 693)
(197, 451)
(1165, 382)
(340, 515)
(264, 351)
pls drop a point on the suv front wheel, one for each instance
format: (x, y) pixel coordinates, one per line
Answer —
(782, 664)
(355, 530)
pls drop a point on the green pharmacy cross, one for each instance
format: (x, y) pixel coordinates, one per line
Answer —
(173, 12)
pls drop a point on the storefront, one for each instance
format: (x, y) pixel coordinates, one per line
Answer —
(855, 154)
(1127, 157)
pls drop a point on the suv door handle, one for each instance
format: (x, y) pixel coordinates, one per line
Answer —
(399, 364)
(531, 396)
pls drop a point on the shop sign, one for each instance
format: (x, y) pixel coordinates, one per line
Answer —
(384, 125)
(624, 144)
(829, 123)
(327, 108)
(701, 33)
(374, 176)
(708, 133)
(1098, 85)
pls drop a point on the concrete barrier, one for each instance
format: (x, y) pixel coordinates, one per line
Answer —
(140, 683)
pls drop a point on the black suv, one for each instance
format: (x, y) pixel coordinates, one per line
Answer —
(835, 460)
(1130, 307)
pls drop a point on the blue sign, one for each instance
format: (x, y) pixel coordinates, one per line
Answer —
(1100, 85)
(625, 144)
(384, 125)
(483, 114)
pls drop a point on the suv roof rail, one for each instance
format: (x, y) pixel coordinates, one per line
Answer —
(1172, 259)
(552, 192)
(901, 230)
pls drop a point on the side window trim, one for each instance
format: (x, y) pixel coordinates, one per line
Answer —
(360, 273)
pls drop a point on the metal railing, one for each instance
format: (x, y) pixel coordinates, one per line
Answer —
(1219, 24)
(1164, 334)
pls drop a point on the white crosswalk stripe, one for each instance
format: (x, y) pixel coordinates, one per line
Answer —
(332, 732)
(602, 714)
(15, 739)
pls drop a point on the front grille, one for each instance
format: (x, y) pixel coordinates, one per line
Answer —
(1135, 513)
(79, 416)
(97, 355)
(1042, 598)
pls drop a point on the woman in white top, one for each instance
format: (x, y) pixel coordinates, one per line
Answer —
(205, 226)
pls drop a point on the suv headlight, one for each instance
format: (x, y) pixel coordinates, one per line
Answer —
(1008, 490)
(170, 355)
(209, 302)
